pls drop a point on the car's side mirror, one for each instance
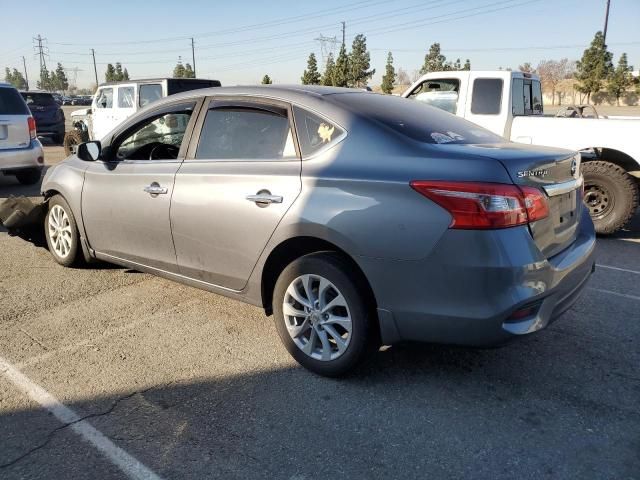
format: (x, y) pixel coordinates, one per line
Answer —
(89, 151)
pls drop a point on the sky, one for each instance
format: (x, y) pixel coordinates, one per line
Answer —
(239, 42)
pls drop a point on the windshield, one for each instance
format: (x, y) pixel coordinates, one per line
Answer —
(39, 99)
(415, 119)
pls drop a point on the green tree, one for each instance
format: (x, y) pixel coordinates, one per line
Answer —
(125, 75)
(621, 78)
(60, 82)
(327, 78)
(45, 80)
(434, 61)
(188, 71)
(119, 72)
(595, 67)
(178, 71)
(359, 62)
(110, 74)
(389, 77)
(526, 68)
(467, 65)
(341, 73)
(266, 80)
(15, 78)
(311, 76)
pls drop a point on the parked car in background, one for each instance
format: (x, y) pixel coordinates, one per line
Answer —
(20, 151)
(342, 213)
(510, 104)
(66, 100)
(47, 113)
(113, 102)
(58, 98)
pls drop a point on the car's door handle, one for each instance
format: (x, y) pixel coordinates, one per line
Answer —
(264, 198)
(156, 189)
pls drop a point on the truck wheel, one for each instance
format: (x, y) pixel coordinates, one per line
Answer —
(29, 176)
(611, 195)
(71, 139)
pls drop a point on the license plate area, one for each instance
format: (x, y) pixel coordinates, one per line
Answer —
(4, 132)
(566, 210)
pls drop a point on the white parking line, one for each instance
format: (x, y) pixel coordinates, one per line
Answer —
(128, 464)
(636, 272)
(609, 292)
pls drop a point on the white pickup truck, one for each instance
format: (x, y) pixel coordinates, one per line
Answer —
(510, 104)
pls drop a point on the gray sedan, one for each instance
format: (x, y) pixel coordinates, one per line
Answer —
(356, 219)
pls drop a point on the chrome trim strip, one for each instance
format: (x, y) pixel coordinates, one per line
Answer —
(564, 187)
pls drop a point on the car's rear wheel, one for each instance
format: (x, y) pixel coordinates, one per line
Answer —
(61, 231)
(322, 315)
(611, 195)
(29, 176)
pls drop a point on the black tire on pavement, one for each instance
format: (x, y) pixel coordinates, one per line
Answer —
(29, 176)
(611, 195)
(333, 267)
(74, 256)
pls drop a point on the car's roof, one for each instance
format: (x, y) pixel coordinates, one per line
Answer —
(6, 85)
(36, 91)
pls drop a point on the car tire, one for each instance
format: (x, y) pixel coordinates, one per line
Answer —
(328, 340)
(61, 232)
(71, 139)
(611, 195)
(29, 176)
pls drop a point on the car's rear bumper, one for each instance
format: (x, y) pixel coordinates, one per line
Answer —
(49, 129)
(21, 158)
(467, 290)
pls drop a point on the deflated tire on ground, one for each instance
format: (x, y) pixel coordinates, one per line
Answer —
(17, 213)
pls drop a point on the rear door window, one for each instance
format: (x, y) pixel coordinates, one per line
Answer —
(11, 103)
(314, 132)
(104, 98)
(149, 93)
(487, 96)
(245, 131)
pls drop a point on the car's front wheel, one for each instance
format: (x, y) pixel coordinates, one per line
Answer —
(61, 231)
(322, 314)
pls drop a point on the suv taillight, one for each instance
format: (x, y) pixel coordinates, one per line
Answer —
(32, 127)
(485, 205)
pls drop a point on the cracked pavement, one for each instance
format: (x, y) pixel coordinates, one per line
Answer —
(196, 386)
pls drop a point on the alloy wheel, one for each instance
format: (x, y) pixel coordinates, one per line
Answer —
(60, 232)
(317, 317)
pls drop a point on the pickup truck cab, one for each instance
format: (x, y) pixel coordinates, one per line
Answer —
(510, 104)
(114, 102)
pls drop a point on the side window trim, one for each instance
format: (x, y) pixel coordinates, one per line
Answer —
(156, 112)
(244, 101)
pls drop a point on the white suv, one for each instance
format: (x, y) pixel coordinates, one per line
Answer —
(21, 153)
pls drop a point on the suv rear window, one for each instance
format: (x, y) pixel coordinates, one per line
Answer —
(415, 120)
(11, 103)
(39, 99)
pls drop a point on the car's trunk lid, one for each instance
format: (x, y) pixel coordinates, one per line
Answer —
(555, 172)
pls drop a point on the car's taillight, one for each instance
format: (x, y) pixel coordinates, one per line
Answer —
(485, 205)
(32, 127)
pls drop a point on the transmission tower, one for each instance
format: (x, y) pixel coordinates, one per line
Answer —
(327, 47)
(74, 71)
(42, 52)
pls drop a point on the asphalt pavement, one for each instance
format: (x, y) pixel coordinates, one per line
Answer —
(147, 378)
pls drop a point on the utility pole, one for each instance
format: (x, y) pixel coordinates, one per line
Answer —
(343, 32)
(193, 57)
(95, 70)
(606, 21)
(26, 77)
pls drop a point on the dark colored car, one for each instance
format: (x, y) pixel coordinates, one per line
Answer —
(47, 113)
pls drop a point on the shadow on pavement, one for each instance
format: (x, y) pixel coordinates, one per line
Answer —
(522, 411)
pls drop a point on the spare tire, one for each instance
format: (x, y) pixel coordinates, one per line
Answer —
(73, 138)
(611, 195)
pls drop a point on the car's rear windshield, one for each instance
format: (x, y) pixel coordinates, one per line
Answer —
(40, 99)
(415, 119)
(11, 103)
